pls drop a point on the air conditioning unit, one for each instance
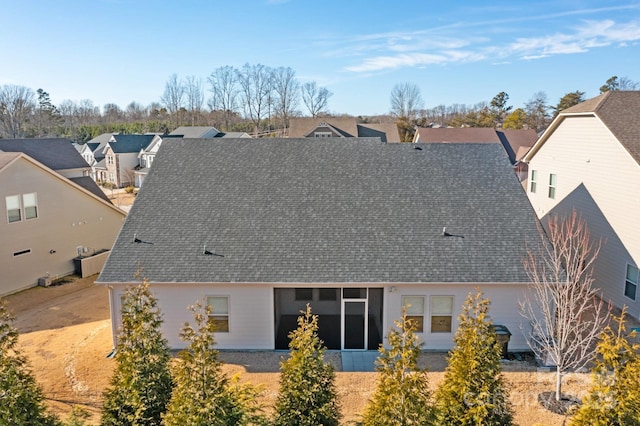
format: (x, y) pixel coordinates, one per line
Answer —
(44, 281)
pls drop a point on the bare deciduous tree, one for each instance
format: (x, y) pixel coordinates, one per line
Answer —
(194, 92)
(287, 92)
(135, 111)
(17, 103)
(255, 85)
(112, 113)
(173, 97)
(565, 311)
(224, 92)
(406, 101)
(315, 98)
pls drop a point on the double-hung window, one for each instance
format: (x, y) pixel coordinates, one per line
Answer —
(441, 314)
(631, 283)
(552, 185)
(219, 313)
(414, 306)
(14, 212)
(30, 205)
(534, 181)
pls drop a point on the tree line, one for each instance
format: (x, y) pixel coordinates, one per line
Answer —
(260, 100)
(407, 106)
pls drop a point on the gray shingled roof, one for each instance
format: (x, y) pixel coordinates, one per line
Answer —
(326, 211)
(130, 143)
(90, 185)
(57, 154)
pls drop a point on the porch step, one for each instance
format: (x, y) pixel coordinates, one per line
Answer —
(359, 360)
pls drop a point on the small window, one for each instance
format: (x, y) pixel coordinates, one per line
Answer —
(328, 294)
(631, 283)
(552, 186)
(534, 181)
(414, 306)
(30, 203)
(13, 208)
(304, 294)
(219, 313)
(322, 134)
(441, 314)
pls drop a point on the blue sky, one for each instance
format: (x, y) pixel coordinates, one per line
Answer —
(461, 52)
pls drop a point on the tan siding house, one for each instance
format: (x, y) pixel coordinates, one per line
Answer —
(48, 220)
(588, 160)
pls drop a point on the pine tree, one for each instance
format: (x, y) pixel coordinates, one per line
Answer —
(21, 400)
(473, 391)
(614, 397)
(203, 395)
(141, 385)
(402, 396)
(307, 394)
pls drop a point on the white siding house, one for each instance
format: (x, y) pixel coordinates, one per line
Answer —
(588, 160)
(352, 226)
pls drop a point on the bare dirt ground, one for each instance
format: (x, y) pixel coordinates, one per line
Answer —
(120, 197)
(66, 334)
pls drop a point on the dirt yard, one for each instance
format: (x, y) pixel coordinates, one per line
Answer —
(66, 333)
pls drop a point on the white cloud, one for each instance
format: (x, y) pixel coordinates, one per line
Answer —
(422, 48)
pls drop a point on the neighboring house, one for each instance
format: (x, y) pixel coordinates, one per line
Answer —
(86, 150)
(121, 157)
(96, 156)
(341, 127)
(589, 160)
(48, 221)
(260, 227)
(516, 143)
(58, 154)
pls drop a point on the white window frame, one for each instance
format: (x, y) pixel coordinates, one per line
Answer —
(436, 311)
(415, 309)
(553, 182)
(219, 317)
(322, 134)
(10, 200)
(30, 200)
(533, 181)
(631, 281)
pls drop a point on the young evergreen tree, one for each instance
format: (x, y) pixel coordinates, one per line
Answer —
(307, 394)
(203, 395)
(141, 384)
(473, 392)
(402, 396)
(20, 397)
(614, 398)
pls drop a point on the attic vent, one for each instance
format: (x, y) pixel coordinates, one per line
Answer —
(21, 252)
